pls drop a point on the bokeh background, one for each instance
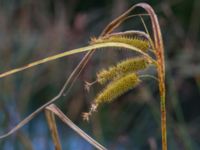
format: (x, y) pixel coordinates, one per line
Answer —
(34, 29)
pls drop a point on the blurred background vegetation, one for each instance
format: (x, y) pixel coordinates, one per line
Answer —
(34, 29)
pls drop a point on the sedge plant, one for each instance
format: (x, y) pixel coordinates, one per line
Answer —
(117, 79)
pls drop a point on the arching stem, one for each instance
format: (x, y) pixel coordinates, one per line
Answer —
(159, 49)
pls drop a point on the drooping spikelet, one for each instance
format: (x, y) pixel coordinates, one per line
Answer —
(142, 44)
(122, 68)
(117, 87)
(113, 90)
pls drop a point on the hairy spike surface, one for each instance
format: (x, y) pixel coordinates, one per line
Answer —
(122, 68)
(117, 88)
(142, 44)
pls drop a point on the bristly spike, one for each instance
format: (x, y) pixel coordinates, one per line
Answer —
(117, 88)
(125, 67)
(137, 42)
(113, 90)
(137, 39)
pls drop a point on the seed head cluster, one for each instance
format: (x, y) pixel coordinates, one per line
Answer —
(122, 77)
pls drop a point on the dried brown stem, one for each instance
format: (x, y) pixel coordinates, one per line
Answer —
(53, 129)
(158, 43)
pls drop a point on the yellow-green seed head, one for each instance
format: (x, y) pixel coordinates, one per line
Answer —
(142, 44)
(136, 42)
(122, 68)
(117, 88)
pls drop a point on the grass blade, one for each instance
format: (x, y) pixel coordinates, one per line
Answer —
(71, 52)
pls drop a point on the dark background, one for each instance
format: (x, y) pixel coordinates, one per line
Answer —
(34, 29)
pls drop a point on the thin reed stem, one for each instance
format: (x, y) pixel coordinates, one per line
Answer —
(53, 129)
